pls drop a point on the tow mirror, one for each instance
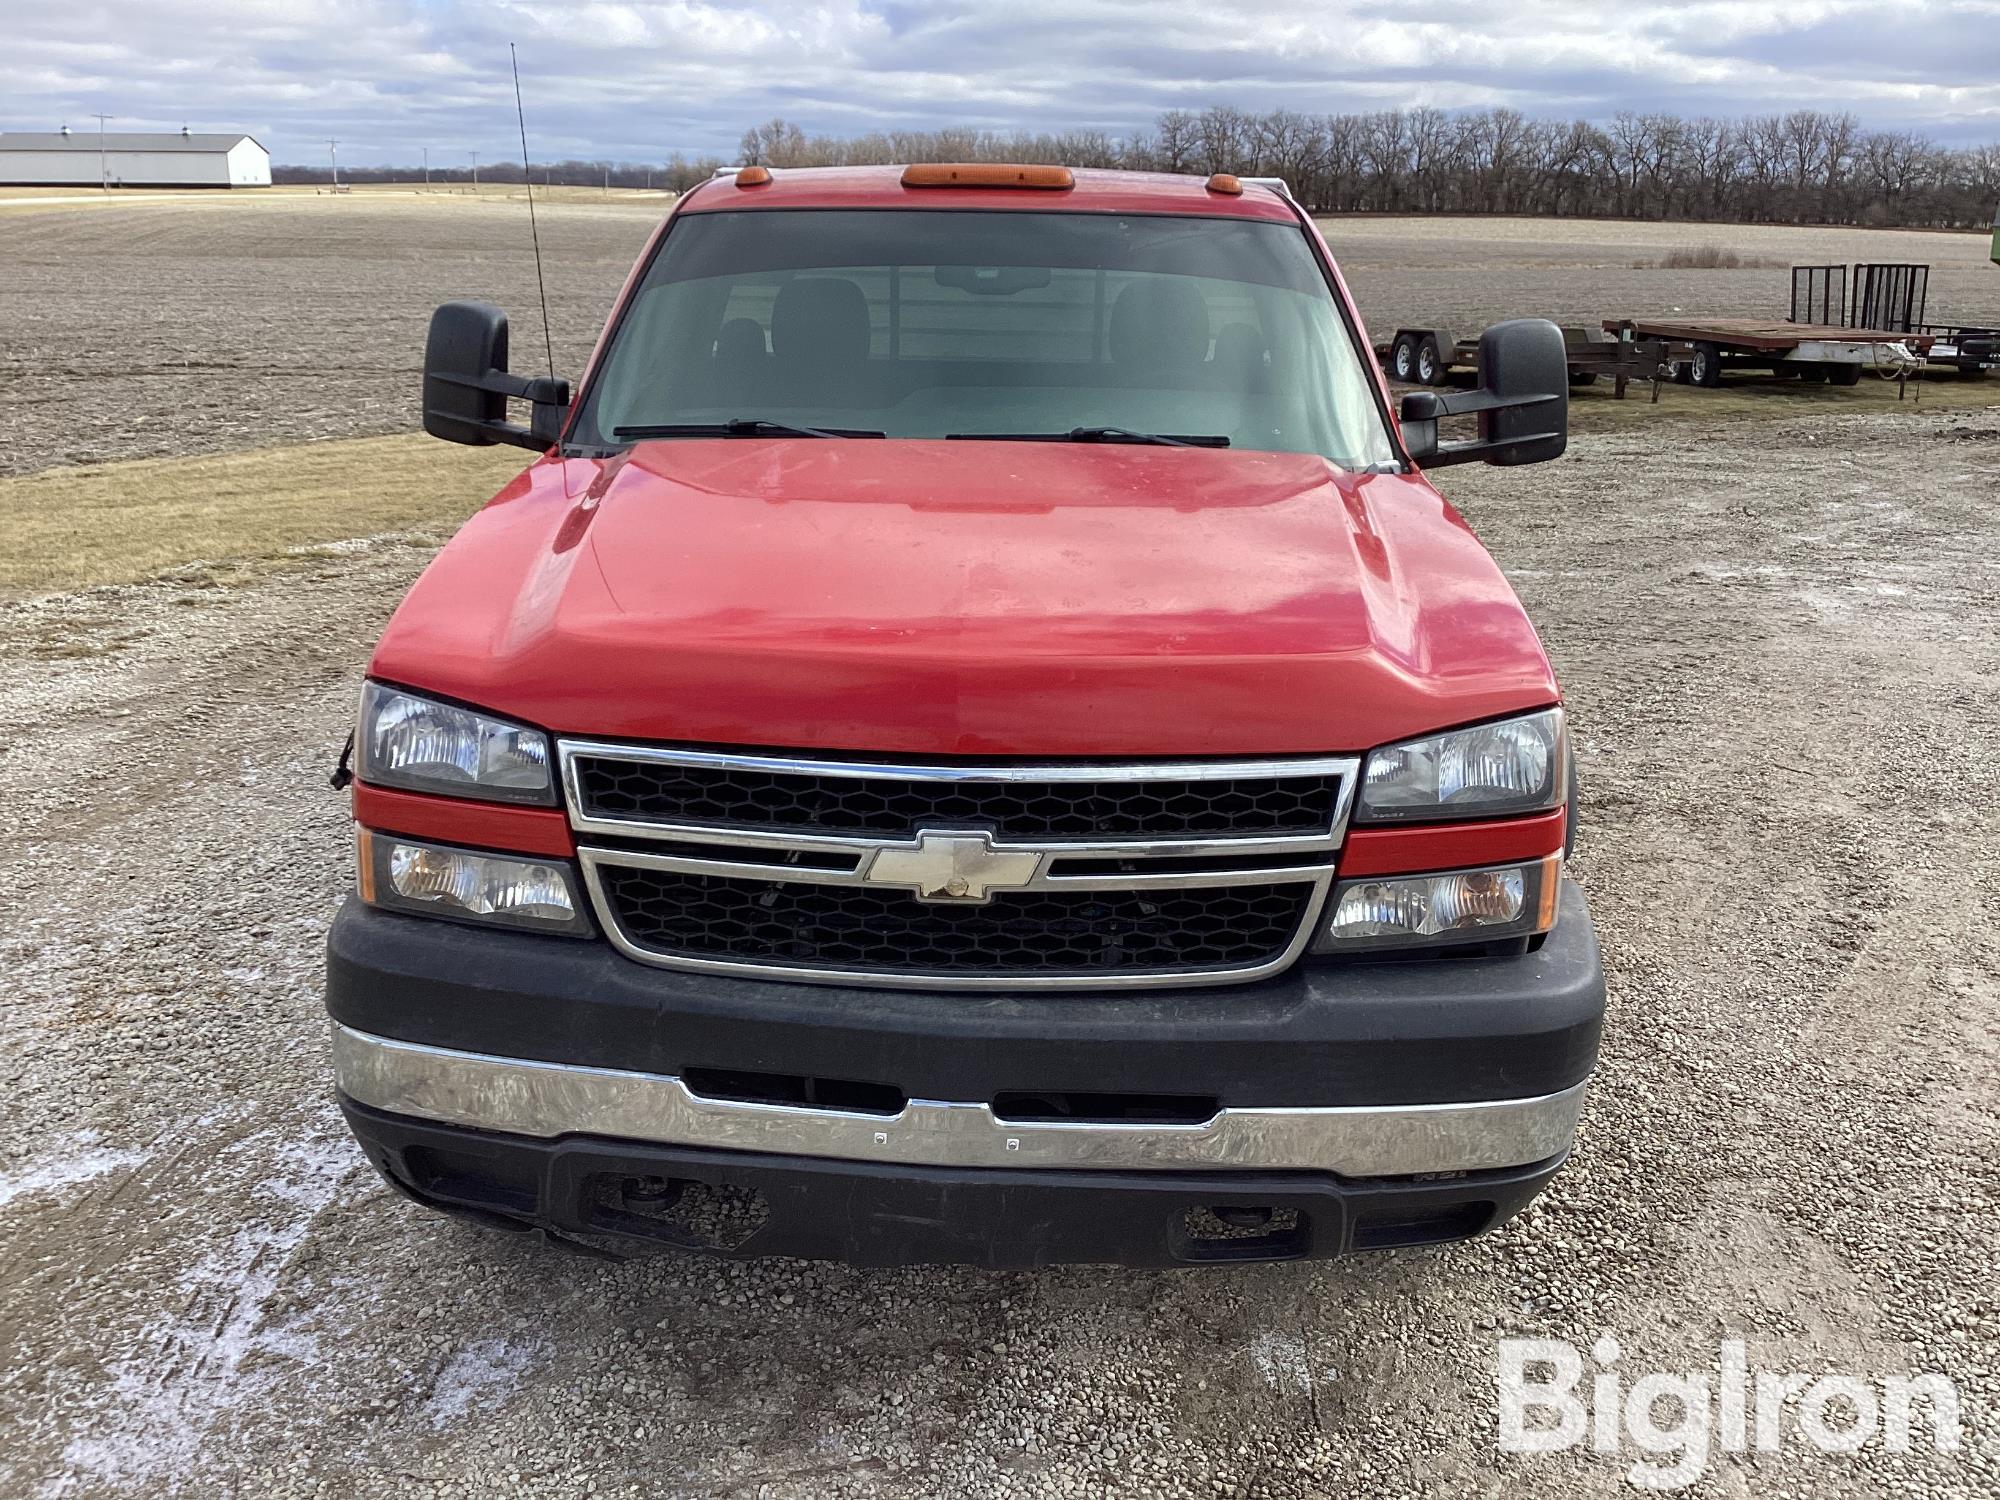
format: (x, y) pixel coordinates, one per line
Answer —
(1522, 401)
(467, 386)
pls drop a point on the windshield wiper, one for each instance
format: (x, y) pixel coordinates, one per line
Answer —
(737, 427)
(1099, 435)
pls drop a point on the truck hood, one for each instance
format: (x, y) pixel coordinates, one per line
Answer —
(970, 598)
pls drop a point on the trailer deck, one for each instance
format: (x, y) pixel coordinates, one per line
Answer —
(1765, 335)
(1812, 351)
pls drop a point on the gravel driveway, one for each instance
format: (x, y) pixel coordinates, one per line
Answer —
(1778, 639)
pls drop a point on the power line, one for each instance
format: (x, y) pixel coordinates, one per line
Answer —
(103, 176)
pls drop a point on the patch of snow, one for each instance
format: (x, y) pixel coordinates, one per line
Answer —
(78, 1160)
(482, 1374)
(1283, 1362)
(161, 1412)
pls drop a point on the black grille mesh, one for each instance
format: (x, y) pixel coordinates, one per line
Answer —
(1022, 932)
(732, 797)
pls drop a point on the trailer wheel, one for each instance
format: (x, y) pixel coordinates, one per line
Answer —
(1683, 372)
(1581, 378)
(1844, 374)
(1430, 363)
(1705, 369)
(1971, 369)
(1813, 374)
(1403, 359)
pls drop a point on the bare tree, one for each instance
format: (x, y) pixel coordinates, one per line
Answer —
(1808, 165)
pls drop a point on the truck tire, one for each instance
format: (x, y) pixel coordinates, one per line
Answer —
(1578, 379)
(1403, 359)
(1844, 374)
(1431, 368)
(1705, 369)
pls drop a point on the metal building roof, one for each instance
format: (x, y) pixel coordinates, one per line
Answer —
(118, 140)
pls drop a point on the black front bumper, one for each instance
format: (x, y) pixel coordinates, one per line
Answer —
(1352, 1034)
(1320, 1036)
(581, 1191)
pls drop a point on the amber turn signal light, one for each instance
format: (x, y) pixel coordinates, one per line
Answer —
(991, 174)
(1226, 182)
(753, 176)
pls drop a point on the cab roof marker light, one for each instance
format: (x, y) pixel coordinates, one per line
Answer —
(749, 177)
(987, 174)
(1227, 183)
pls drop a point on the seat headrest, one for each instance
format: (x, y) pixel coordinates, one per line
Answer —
(819, 320)
(1159, 321)
(740, 338)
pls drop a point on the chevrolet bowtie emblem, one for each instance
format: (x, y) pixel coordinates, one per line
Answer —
(954, 867)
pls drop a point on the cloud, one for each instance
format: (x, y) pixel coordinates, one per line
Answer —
(635, 80)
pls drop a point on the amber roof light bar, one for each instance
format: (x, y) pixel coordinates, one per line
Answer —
(987, 174)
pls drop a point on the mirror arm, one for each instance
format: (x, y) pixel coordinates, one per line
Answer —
(1466, 403)
(1476, 450)
(1422, 411)
(548, 393)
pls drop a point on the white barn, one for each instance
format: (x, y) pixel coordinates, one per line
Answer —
(74, 158)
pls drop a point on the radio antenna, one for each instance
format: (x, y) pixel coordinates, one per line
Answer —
(534, 229)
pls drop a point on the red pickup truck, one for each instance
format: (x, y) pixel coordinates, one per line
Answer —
(975, 741)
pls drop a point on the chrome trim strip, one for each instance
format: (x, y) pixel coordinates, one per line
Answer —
(1042, 880)
(1346, 768)
(546, 1100)
(1123, 770)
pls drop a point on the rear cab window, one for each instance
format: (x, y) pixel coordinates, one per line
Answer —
(926, 323)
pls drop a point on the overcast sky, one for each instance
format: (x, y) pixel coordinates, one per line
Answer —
(637, 81)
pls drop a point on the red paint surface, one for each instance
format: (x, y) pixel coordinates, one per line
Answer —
(1450, 846)
(971, 598)
(454, 820)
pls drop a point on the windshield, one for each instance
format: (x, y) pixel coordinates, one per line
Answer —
(938, 323)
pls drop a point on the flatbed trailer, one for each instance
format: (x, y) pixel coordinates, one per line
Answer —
(1415, 355)
(1812, 351)
(1971, 351)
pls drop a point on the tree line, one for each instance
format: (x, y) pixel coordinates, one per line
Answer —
(1807, 166)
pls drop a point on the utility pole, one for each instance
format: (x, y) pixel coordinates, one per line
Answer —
(103, 176)
(333, 155)
(475, 171)
(427, 166)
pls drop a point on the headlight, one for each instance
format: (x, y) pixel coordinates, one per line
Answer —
(427, 746)
(436, 880)
(1456, 906)
(1514, 766)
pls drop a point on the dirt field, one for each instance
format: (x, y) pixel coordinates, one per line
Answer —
(203, 322)
(1777, 639)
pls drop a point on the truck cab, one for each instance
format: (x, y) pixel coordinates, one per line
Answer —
(975, 740)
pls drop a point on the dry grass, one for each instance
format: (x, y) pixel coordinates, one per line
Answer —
(1709, 258)
(238, 513)
(1761, 397)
